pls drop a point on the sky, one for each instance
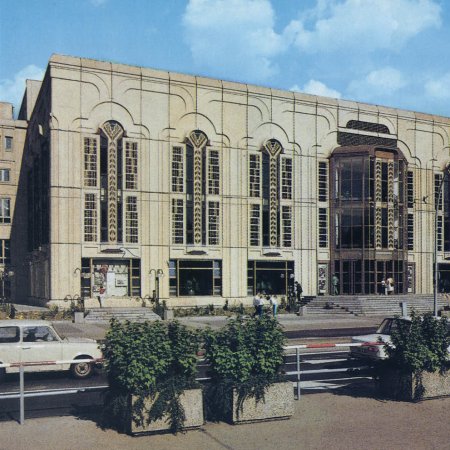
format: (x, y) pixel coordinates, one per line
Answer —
(386, 52)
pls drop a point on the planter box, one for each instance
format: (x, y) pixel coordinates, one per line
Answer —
(407, 387)
(192, 402)
(278, 403)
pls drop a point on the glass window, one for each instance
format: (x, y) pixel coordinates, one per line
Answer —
(195, 277)
(254, 175)
(269, 277)
(323, 228)
(177, 169)
(4, 174)
(323, 181)
(255, 225)
(4, 251)
(131, 165)
(8, 143)
(9, 335)
(90, 162)
(39, 334)
(131, 220)
(90, 217)
(5, 210)
(410, 189)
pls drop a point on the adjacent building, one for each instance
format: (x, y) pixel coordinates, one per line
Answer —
(137, 182)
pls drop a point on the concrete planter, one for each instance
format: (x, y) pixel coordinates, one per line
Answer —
(78, 317)
(409, 387)
(192, 402)
(278, 403)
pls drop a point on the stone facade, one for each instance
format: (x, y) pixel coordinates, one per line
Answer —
(146, 183)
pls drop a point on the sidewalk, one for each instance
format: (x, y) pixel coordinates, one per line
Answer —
(345, 419)
(289, 322)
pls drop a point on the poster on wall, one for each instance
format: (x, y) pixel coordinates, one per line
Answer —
(410, 278)
(322, 281)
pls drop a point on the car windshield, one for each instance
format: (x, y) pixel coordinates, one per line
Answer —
(388, 326)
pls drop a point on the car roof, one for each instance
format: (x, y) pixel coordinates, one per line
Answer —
(24, 323)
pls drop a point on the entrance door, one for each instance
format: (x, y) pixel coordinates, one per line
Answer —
(351, 277)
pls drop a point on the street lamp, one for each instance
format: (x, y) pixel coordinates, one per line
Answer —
(435, 284)
(159, 273)
(4, 276)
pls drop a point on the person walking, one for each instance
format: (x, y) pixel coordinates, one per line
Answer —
(274, 304)
(335, 284)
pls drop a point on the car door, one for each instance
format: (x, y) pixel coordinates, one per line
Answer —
(9, 345)
(41, 343)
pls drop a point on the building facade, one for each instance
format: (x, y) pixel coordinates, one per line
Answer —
(138, 182)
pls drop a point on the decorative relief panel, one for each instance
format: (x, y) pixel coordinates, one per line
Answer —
(378, 227)
(273, 148)
(378, 181)
(113, 132)
(198, 140)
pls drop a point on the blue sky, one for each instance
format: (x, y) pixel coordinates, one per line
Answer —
(388, 52)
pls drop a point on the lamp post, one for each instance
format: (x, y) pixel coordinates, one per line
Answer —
(4, 276)
(435, 283)
(159, 273)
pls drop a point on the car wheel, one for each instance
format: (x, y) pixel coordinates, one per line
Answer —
(2, 374)
(82, 369)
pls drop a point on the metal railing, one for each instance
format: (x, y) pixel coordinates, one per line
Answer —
(22, 394)
(298, 372)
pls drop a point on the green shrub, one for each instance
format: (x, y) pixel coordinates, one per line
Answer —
(245, 355)
(148, 359)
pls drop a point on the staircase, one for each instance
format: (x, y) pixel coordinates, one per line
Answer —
(121, 314)
(374, 305)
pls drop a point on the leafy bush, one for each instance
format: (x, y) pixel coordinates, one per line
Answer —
(420, 345)
(245, 355)
(149, 359)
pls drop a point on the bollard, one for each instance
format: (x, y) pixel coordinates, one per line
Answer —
(404, 306)
(297, 352)
(22, 394)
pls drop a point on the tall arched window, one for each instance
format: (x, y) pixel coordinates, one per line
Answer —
(111, 158)
(270, 181)
(196, 192)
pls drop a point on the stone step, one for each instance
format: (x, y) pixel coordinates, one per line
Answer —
(121, 314)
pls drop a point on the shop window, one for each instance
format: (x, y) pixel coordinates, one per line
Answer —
(195, 278)
(269, 277)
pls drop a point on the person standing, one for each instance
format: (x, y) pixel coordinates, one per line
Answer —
(335, 284)
(257, 303)
(383, 287)
(274, 304)
(390, 286)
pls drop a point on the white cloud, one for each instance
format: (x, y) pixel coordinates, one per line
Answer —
(12, 90)
(382, 82)
(315, 87)
(363, 25)
(233, 36)
(439, 88)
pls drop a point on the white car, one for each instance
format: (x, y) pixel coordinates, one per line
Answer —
(373, 347)
(37, 341)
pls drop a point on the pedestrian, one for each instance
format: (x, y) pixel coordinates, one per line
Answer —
(298, 292)
(274, 304)
(335, 284)
(390, 286)
(257, 304)
(383, 287)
